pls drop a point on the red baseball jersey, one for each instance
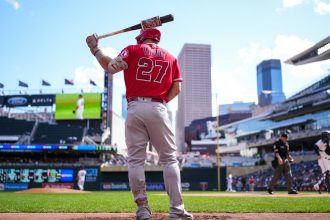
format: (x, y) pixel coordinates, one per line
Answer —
(151, 71)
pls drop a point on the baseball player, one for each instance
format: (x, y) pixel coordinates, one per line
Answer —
(79, 107)
(152, 79)
(322, 148)
(81, 178)
(230, 182)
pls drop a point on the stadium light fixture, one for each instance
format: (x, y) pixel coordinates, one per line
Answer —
(323, 49)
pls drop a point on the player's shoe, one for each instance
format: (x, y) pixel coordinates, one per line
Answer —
(270, 191)
(293, 192)
(183, 215)
(143, 213)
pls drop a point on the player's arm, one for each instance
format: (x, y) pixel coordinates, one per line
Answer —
(174, 90)
(277, 155)
(176, 84)
(317, 151)
(108, 64)
(279, 158)
(289, 156)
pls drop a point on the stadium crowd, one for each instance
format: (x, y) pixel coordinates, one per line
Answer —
(305, 174)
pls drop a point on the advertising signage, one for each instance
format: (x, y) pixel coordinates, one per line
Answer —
(29, 175)
(43, 147)
(17, 100)
(31, 148)
(42, 100)
(27, 100)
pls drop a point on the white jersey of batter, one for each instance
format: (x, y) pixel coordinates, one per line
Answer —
(324, 162)
(80, 108)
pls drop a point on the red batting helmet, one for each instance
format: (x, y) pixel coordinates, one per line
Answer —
(151, 33)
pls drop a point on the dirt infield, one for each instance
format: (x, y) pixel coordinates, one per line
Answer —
(163, 216)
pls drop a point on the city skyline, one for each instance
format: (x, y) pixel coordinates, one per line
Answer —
(47, 41)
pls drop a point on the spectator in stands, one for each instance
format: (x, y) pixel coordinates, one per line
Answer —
(239, 184)
(81, 178)
(243, 184)
(283, 159)
(251, 183)
(80, 107)
(306, 173)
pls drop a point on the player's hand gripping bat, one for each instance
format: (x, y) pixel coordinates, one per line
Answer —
(145, 24)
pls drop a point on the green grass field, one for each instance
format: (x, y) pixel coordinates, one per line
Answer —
(123, 202)
(66, 103)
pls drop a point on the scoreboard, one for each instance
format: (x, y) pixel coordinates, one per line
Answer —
(26, 175)
(43, 147)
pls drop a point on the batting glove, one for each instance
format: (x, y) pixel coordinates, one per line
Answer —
(93, 43)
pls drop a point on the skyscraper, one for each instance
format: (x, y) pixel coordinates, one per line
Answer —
(195, 99)
(269, 82)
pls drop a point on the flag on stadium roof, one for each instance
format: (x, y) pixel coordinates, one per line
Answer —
(45, 83)
(2, 85)
(92, 82)
(22, 84)
(68, 82)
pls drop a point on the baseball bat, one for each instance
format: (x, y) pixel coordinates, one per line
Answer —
(156, 21)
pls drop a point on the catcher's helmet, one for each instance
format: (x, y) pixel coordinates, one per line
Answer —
(151, 33)
(325, 135)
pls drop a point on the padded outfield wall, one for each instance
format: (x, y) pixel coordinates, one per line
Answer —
(20, 178)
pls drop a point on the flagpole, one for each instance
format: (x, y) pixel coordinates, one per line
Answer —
(218, 144)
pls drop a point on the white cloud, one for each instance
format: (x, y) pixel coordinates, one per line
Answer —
(321, 7)
(291, 3)
(83, 74)
(231, 85)
(16, 5)
(239, 82)
(285, 47)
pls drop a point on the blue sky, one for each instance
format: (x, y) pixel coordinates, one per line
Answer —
(46, 40)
